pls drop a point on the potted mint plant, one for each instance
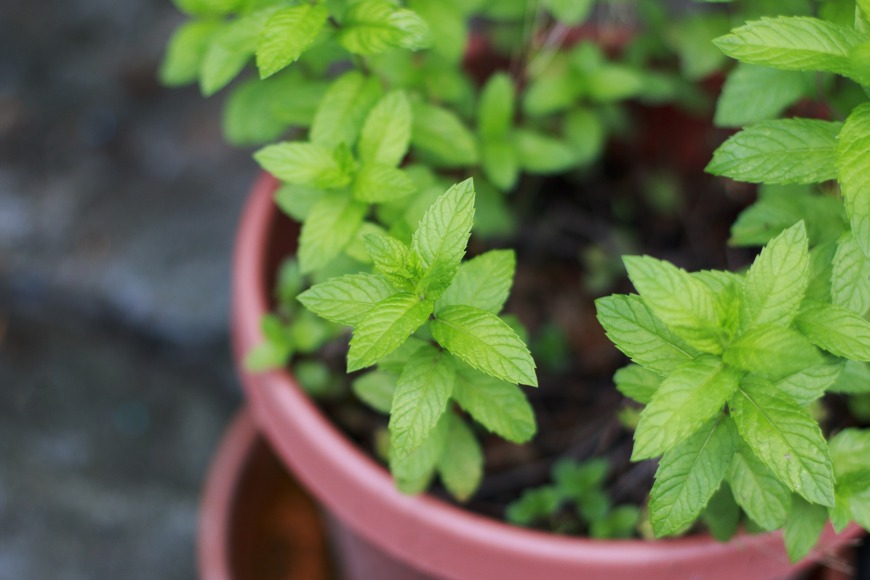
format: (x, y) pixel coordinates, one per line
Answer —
(421, 135)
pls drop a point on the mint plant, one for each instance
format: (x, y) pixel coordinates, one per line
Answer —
(575, 502)
(378, 107)
(729, 366)
(430, 323)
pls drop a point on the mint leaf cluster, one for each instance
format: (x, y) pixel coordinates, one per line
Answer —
(576, 502)
(729, 367)
(726, 373)
(430, 323)
(292, 334)
(338, 183)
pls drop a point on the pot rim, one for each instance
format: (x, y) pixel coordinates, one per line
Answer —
(423, 529)
(219, 497)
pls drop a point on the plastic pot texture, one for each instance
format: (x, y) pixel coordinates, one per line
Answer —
(256, 522)
(391, 535)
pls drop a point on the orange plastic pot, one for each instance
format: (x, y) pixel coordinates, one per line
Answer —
(391, 535)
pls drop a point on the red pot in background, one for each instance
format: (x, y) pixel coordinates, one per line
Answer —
(390, 535)
(255, 521)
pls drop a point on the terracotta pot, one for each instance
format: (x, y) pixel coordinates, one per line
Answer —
(427, 535)
(255, 521)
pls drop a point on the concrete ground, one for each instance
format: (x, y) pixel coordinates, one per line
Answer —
(118, 204)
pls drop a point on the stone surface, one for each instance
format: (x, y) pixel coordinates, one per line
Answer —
(104, 441)
(115, 194)
(118, 205)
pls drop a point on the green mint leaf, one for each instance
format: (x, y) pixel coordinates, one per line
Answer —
(570, 12)
(268, 355)
(290, 282)
(803, 527)
(421, 396)
(500, 163)
(821, 272)
(864, 9)
(461, 462)
(315, 377)
(443, 233)
(621, 522)
(859, 58)
(346, 299)
(221, 64)
(230, 49)
(764, 498)
(449, 28)
(722, 514)
(574, 479)
(374, 26)
(308, 164)
(780, 151)
(693, 40)
(394, 363)
(328, 229)
(854, 378)
(757, 93)
(535, 504)
(386, 133)
(391, 259)
(853, 500)
(297, 201)
(207, 7)
(376, 390)
(772, 351)
(186, 51)
(613, 82)
(688, 398)
(634, 329)
(637, 383)
(786, 438)
(585, 131)
(485, 342)
(287, 34)
(344, 108)
(483, 282)
(549, 94)
(375, 183)
(356, 249)
(495, 111)
(841, 513)
(809, 384)
(689, 475)
(793, 43)
(258, 112)
(694, 317)
(850, 451)
(538, 153)
(853, 172)
(309, 332)
(499, 406)
(780, 207)
(441, 136)
(385, 328)
(775, 283)
(414, 472)
(850, 278)
(837, 330)
(493, 218)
